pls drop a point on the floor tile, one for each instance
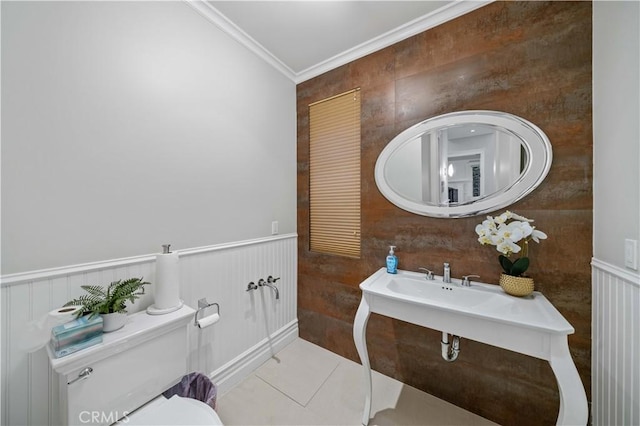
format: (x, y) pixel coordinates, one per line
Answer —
(255, 402)
(305, 384)
(414, 407)
(393, 402)
(341, 399)
(299, 370)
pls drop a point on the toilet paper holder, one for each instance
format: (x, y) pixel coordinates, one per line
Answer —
(202, 305)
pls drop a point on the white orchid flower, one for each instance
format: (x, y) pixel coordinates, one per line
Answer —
(485, 228)
(496, 239)
(525, 228)
(485, 240)
(518, 217)
(507, 231)
(512, 232)
(489, 222)
(499, 220)
(507, 247)
(538, 235)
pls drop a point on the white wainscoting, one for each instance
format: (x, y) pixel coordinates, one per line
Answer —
(615, 371)
(253, 325)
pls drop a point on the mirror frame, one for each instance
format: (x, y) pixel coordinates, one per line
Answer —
(534, 140)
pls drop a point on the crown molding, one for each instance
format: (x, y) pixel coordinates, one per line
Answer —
(425, 22)
(223, 23)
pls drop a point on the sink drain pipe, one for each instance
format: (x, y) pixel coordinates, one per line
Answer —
(451, 350)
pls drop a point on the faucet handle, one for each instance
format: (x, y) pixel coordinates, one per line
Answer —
(429, 273)
(465, 279)
(272, 280)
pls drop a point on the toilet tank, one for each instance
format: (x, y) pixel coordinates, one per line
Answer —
(129, 368)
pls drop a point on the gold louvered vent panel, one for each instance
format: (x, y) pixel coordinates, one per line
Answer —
(334, 168)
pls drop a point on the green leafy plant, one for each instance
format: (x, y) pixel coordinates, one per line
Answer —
(510, 233)
(516, 268)
(110, 300)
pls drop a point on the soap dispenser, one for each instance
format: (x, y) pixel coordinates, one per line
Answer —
(392, 261)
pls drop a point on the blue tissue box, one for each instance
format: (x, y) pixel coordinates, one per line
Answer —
(75, 335)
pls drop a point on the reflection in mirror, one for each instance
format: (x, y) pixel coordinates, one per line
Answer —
(463, 163)
(456, 165)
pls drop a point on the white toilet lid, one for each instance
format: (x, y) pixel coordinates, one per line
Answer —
(174, 411)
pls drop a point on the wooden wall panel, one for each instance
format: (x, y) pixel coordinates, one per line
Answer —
(532, 59)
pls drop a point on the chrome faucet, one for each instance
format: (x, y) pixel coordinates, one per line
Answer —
(446, 276)
(270, 283)
(429, 273)
(466, 281)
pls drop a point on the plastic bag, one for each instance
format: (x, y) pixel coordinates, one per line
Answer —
(196, 386)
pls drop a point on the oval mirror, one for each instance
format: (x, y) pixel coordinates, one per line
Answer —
(463, 164)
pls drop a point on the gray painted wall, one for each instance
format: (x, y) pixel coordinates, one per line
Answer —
(616, 129)
(127, 125)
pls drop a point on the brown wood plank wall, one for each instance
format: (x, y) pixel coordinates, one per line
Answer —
(532, 59)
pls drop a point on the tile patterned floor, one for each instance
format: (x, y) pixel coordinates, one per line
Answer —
(305, 384)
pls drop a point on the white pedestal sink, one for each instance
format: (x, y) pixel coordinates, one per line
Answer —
(481, 312)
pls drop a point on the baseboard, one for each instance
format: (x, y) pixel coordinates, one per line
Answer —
(233, 372)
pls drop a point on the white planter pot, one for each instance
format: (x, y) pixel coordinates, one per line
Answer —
(113, 322)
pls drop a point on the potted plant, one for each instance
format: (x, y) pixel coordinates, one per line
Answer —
(511, 233)
(110, 302)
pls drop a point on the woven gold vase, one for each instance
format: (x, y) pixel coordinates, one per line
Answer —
(516, 286)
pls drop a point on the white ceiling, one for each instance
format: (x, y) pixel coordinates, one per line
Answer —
(303, 38)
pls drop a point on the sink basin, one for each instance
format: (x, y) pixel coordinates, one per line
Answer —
(482, 312)
(450, 294)
(483, 300)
